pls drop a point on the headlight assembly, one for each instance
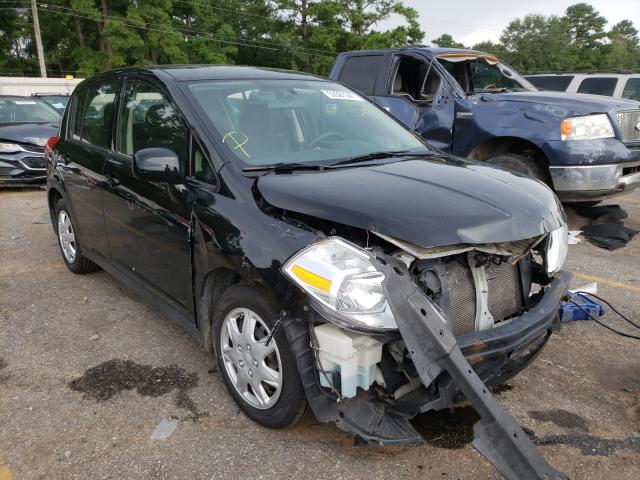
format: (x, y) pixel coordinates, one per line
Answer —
(9, 148)
(588, 127)
(557, 249)
(341, 277)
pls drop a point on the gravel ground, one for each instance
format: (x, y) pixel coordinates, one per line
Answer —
(87, 371)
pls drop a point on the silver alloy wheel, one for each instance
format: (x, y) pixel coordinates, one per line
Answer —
(254, 369)
(66, 236)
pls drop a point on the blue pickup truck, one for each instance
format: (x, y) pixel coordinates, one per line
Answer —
(469, 103)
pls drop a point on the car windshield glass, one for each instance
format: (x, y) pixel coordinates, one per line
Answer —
(59, 102)
(27, 110)
(280, 122)
(483, 74)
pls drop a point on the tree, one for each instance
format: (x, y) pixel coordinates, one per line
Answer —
(445, 40)
(537, 43)
(585, 27)
(623, 50)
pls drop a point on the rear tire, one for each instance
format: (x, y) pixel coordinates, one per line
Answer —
(521, 164)
(68, 241)
(249, 373)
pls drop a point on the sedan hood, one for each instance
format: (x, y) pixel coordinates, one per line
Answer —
(435, 202)
(569, 103)
(30, 133)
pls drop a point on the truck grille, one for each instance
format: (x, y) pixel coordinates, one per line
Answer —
(629, 125)
(504, 295)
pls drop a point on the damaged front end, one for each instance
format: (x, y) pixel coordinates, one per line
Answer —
(389, 330)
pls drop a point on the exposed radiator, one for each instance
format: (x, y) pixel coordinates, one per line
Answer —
(504, 294)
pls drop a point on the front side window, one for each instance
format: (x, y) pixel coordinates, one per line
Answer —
(27, 110)
(598, 86)
(265, 122)
(632, 89)
(148, 120)
(477, 73)
(96, 114)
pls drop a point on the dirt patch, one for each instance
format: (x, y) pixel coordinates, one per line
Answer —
(561, 418)
(112, 377)
(3, 363)
(588, 444)
(451, 428)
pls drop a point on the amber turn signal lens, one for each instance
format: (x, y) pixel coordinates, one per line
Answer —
(565, 128)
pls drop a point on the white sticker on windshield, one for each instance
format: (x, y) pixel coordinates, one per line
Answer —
(340, 95)
(24, 102)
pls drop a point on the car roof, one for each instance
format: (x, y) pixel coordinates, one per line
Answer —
(421, 48)
(214, 72)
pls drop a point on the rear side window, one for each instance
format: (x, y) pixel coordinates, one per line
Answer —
(94, 114)
(360, 73)
(598, 85)
(551, 83)
(148, 120)
(632, 89)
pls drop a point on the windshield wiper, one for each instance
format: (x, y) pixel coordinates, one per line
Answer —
(381, 156)
(283, 167)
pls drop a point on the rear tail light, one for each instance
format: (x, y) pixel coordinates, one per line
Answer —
(50, 144)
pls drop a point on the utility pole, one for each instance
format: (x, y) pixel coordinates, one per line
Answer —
(36, 28)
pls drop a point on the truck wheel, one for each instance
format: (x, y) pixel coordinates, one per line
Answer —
(263, 380)
(521, 164)
(68, 242)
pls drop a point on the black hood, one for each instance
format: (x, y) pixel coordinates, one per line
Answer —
(28, 133)
(429, 203)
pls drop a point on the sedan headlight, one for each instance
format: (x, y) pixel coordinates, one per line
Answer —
(9, 148)
(588, 127)
(557, 249)
(341, 277)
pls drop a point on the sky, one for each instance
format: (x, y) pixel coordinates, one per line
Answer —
(469, 23)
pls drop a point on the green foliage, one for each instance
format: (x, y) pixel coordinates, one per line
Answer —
(87, 36)
(445, 40)
(82, 37)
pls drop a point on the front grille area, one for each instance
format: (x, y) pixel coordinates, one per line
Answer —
(629, 125)
(33, 162)
(504, 294)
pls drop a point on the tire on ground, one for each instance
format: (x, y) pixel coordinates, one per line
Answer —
(80, 263)
(291, 404)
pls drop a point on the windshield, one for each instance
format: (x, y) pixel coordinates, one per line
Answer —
(27, 110)
(268, 122)
(59, 102)
(483, 74)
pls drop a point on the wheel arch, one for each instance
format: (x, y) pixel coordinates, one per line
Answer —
(494, 146)
(53, 196)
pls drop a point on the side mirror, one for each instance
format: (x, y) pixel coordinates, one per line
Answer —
(157, 164)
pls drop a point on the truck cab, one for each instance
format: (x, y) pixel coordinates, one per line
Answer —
(470, 104)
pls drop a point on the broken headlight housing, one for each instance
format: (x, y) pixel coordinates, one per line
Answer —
(341, 278)
(557, 249)
(588, 127)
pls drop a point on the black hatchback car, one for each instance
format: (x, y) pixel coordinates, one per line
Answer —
(263, 210)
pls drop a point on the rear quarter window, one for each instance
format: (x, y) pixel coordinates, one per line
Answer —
(360, 72)
(551, 83)
(598, 86)
(632, 89)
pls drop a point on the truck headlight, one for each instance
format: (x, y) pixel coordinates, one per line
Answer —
(9, 148)
(557, 249)
(341, 277)
(588, 127)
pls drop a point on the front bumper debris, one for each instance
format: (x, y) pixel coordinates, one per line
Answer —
(496, 354)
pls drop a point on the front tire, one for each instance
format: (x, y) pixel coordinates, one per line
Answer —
(68, 242)
(522, 164)
(263, 380)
